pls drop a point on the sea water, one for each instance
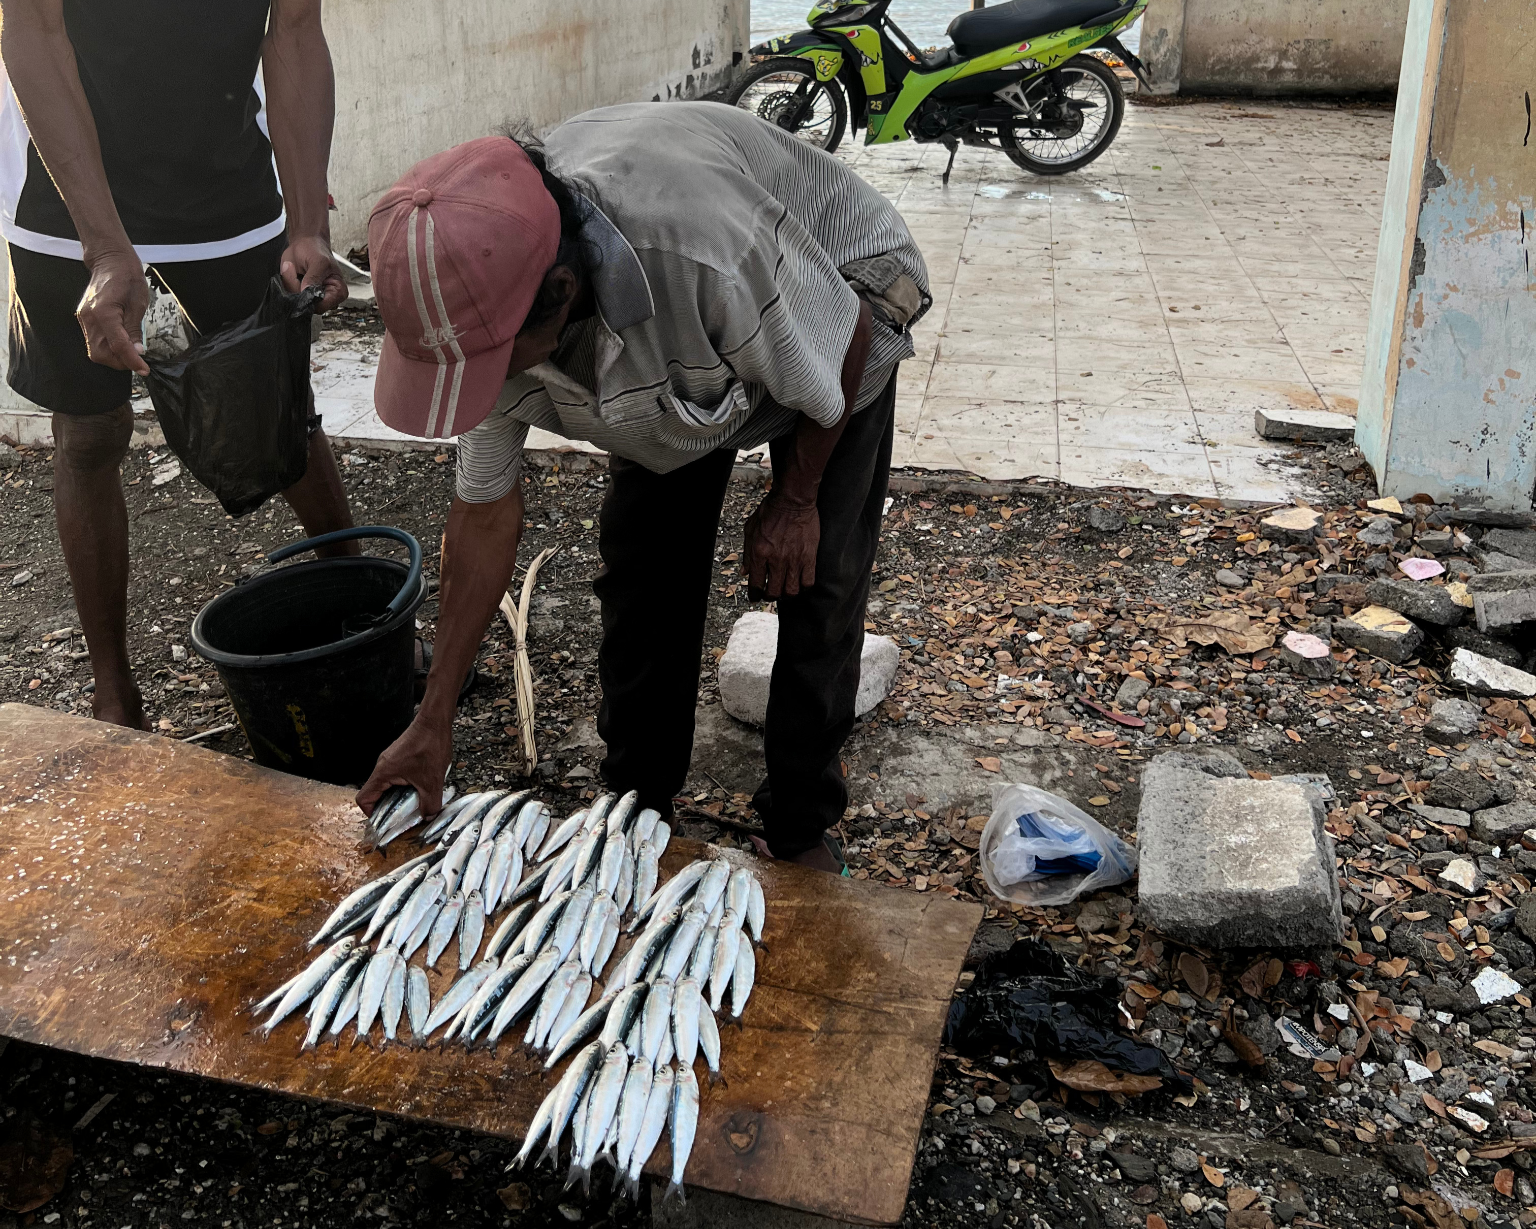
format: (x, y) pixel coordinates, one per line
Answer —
(923, 21)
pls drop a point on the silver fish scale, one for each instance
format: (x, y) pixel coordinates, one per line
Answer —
(471, 929)
(443, 927)
(652, 1123)
(572, 919)
(681, 948)
(603, 908)
(637, 1091)
(418, 1001)
(656, 1018)
(687, 1002)
(475, 868)
(684, 1123)
(394, 998)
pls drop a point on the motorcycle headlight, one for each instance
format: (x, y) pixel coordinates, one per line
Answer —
(842, 17)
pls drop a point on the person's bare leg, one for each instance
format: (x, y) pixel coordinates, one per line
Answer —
(318, 498)
(92, 520)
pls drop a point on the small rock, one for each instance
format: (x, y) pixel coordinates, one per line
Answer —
(168, 472)
(1494, 987)
(1503, 825)
(1081, 633)
(1462, 874)
(1307, 655)
(1291, 525)
(1131, 691)
(1436, 541)
(1378, 531)
(747, 668)
(1452, 721)
(1490, 678)
(1228, 579)
(178, 652)
(1133, 1167)
(20, 578)
(985, 1104)
(1408, 1160)
(1105, 520)
(1425, 603)
(1462, 790)
(1185, 1160)
(9, 457)
(1525, 917)
(1467, 637)
(516, 1197)
(1315, 426)
(1190, 1202)
(1441, 815)
(581, 735)
(1382, 633)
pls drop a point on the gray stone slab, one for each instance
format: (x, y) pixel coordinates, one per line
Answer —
(1489, 677)
(1521, 543)
(1229, 862)
(746, 670)
(1381, 632)
(1503, 825)
(1452, 721)
(1497, 561)
(1484, 645)
(1419, 600)
(1441, 815)
(1502, 612)
(1316, 426)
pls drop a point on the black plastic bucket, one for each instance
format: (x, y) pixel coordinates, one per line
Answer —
(318, 659)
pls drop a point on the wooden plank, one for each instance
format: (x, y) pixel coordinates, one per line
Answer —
(149, 889)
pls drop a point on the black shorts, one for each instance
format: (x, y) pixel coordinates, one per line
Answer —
(48, 360)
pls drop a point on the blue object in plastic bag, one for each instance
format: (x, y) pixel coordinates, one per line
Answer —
(1039, 849)
(1033, 825)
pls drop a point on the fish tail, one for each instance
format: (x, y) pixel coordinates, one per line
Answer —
(632, 1186)
(677, 1188)
(586, 1181)
(573, 1174)
(551, 1154)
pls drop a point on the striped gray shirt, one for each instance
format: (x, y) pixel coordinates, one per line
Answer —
(722, 314)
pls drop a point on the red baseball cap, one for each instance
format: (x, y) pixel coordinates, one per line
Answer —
(458, 249)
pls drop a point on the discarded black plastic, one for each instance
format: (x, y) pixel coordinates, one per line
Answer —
(234, 406)
(1028, 996)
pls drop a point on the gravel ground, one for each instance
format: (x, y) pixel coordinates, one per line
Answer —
(1027, 615)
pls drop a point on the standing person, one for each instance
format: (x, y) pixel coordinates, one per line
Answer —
(134, 133)
(673, 283)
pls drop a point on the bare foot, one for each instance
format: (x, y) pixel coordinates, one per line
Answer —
(122, 705)
(818, 857)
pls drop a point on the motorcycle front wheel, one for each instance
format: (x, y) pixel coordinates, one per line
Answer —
(1089, 88)
(785, 92)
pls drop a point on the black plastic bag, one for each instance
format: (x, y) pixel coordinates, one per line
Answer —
(1028, 996)
(234, 406)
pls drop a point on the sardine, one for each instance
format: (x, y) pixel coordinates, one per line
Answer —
(585, 1025)
(533, 826)
(680, 949)
(655, 1019)
(483, 803)
(417, 937)
(331, 994)
(645, 949)
(430, 892)
(523, 993)
(669, 893)
(560, 837)
(394, 998)
(394, 898)
(530, 884)
(471, 929)
(443, 928)
(375, 978)
(610, 863)
(687, 1002)
(661, 838)
(457, 996)
(309, 983)
(703, 961)
(360, 906)
(605, 1103)
(647, 868)
(540, 1124)
(510, 884)
(632, 1101)
(395, 796)
(474, 870)
(563, 1100)
(406, 818)
(446, 816)
(622, 813)
(624, 1014)
(598, 916)
(347, 1011)
(556, 990)
(510, 930)
(488, 999)
(756, 912)
(498, 868)
(741, 983)
(625, 892)
(418, 1001)
(709, 1043)
(684, 1122)
(605, 943)
(558, 877)
(597, 813)
(588, 856)
(645, 823)
(572, 918)
(667, 1052)
(727, 941)
(261, 1005)
(454, 861)
(539, 926)
(502, 816)
(737, 890)
(653, 1122)
(570, 1011)
(712, 886)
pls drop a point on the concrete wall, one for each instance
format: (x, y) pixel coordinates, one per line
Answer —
(1448, 400)
(1274, 47)
(413, 79)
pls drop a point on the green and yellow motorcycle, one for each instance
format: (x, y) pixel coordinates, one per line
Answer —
(1013, 78)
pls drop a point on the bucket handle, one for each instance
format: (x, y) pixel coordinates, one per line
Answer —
(412, 577)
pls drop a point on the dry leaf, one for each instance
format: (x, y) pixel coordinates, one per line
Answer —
(990, 762)
(1089, 1075)
(1243, 1047)
(1240, 1197)
(1504, 1182)
(1154, 1221)
(1196, 976)
(1232, 629)
(1253, 980)
(1212, 1175)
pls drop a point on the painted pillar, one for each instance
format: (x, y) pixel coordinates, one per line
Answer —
(1448, 398)
(1162, 44)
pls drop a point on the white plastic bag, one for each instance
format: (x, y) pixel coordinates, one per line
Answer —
(1031, 834)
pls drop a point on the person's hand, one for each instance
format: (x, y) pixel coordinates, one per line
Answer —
(111, 312)
(781, 541)
(419, 759)
(308, 261)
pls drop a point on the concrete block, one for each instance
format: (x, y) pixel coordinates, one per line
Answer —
(1466, 637)
(1452, 721)
(1424, 603)
(1228, 862)
(1441, 815)
(746, 670)
(1501, 612)
(1503, 825)
(1462, 789)
(1521, 543)
(1490, 678)
(1378, 531)
(1497, 561)
(1380, 632)
(1291, 525)
(1307, 655)
(1316, 426)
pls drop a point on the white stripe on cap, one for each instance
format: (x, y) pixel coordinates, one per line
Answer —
(453, 340)
(428, 329)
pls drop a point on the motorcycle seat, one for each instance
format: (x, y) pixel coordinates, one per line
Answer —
(982, 30)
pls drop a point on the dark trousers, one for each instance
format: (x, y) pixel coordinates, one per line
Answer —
(657, 537)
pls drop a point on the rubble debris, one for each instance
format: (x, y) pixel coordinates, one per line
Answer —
(1105, 520)
(1415, 568)
(1231, 862)
(1503, 825)
(1463, 874)
(1424, 603)
(1490, 678)
(1521, 543)
(1503, 600)
(1304, 426)
(1468, 637)
(1452, 721)
(1494, 987)
(1308, 655)
(1291, 525)
(747, 668)
(1381, 632)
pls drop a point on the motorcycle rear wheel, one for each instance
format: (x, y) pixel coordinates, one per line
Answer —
(770, 90)
(1086, 79)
